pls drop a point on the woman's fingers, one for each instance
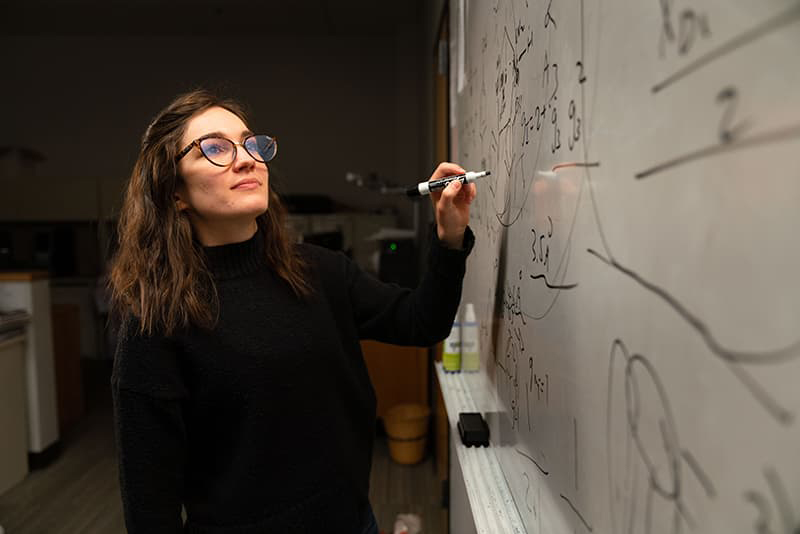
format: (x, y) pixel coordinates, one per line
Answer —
(445, 169)
(450, 193)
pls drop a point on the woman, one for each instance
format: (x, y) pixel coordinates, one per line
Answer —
(239, 387)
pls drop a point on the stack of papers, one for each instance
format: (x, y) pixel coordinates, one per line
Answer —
(13, 323)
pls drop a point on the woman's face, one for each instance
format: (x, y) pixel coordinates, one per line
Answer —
(219, 200)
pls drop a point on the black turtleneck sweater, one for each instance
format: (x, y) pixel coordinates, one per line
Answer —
(266, 423)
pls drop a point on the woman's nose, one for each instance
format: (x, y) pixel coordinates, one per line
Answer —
(243, 159)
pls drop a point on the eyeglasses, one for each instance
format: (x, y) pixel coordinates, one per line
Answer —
(222, 152)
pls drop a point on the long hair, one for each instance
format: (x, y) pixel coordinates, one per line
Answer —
(159, 273)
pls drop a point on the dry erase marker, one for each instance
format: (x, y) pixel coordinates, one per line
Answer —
(424, 188)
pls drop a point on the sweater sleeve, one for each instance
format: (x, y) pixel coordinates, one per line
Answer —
(401, 316)
(150, 434)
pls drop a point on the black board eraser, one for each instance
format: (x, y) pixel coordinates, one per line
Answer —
(473, 429)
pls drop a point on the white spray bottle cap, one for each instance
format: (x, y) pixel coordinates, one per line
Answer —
(469, 313)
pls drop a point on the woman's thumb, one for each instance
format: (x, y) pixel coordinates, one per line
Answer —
(450, 192)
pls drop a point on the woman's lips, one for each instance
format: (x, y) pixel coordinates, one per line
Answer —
(249, 184)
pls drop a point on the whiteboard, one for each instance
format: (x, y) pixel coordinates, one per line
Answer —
(639, 315)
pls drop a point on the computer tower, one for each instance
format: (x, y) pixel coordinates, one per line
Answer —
(398, 262)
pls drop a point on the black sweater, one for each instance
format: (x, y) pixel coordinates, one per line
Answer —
(266, 423)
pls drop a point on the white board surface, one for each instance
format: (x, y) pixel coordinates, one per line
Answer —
(640, 317)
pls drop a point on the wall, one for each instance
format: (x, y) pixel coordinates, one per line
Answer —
(337, 101)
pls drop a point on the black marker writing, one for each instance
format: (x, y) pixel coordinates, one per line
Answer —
(729, 98)
(729, 355)
(789, 16)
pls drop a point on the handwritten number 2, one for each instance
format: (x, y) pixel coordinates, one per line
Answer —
(581, 75)
(729, 98)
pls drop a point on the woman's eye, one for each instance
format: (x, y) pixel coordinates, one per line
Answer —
(215, 147)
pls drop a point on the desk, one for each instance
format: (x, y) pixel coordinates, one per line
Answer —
(13, 413)
(30, 291)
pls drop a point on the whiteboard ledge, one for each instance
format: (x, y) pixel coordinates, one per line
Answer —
(493, 507)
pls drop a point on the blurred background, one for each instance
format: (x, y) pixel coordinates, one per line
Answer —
(355, 92)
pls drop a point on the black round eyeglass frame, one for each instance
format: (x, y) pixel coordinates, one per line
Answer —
(273, 143)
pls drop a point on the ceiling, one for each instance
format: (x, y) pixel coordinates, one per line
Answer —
(177, 17)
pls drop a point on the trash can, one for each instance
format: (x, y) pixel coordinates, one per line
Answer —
(407, 432)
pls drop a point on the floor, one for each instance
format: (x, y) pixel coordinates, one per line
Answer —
(79, 492)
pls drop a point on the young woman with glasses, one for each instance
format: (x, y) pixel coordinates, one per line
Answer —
(240, 391)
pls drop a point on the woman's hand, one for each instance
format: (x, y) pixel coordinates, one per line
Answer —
(451, 205)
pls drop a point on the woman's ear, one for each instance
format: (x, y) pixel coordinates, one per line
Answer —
(179, 203)
(179, 195)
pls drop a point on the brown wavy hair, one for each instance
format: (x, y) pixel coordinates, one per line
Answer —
(159, 272)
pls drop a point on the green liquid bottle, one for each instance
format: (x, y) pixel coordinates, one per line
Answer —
(451, 355)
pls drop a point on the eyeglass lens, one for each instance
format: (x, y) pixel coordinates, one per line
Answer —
(261, 145)
(221, 151)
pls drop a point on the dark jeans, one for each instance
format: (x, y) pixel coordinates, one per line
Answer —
(370, 525)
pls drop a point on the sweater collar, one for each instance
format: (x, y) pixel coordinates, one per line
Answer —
(235, 260)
